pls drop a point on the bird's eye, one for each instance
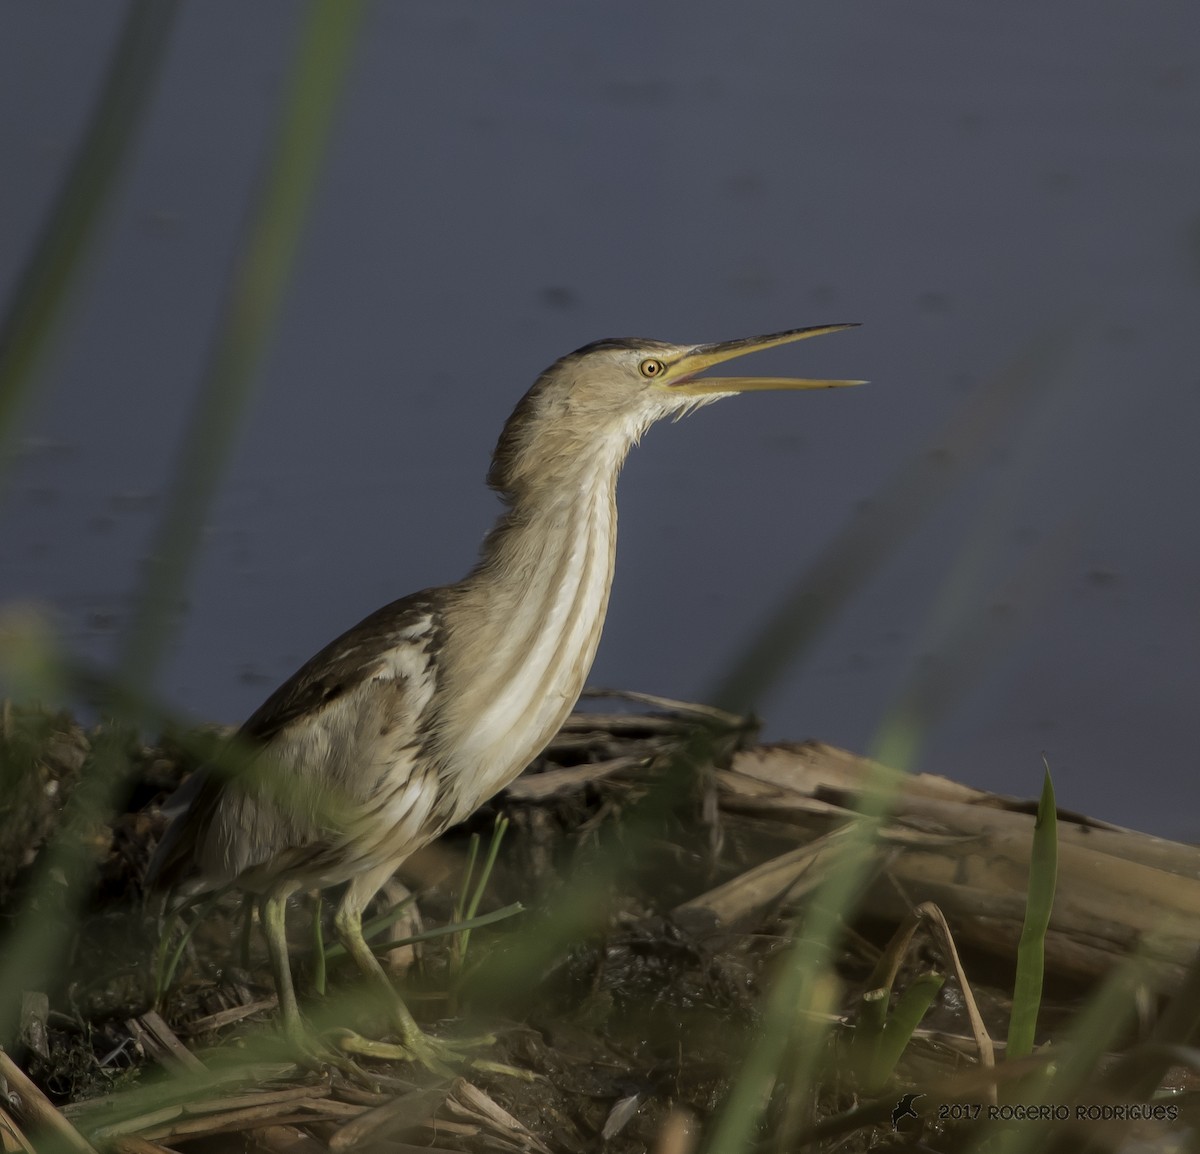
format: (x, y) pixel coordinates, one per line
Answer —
(652, 367)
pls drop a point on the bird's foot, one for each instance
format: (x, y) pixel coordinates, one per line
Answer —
(425, 1048)
(323, 1053)
(434, 1054)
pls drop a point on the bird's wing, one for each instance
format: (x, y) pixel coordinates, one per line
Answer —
(387, 646)
(357, 655)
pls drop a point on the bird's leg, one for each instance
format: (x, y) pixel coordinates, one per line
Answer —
(415, 1044)
(307, 1047)
(274, 919)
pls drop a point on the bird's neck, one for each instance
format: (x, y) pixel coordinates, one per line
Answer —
(526, 621)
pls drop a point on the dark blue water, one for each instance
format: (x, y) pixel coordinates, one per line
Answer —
(508, 182)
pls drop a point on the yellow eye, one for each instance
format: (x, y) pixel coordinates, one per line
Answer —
(652, 367)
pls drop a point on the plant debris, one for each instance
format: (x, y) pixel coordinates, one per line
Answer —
(663, 861)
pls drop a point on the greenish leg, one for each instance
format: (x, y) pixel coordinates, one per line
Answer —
(274, 919)
(416, 1045)
(349, 929)
(310, 1050)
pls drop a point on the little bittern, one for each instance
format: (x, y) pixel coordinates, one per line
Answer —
(411, 719)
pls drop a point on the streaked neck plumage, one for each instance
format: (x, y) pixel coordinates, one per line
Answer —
(525, 623)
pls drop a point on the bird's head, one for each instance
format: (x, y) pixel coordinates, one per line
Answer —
(594, 403)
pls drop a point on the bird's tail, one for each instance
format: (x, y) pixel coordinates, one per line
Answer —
(172, 859)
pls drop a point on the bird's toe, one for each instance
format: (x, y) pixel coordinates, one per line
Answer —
(324, 1054)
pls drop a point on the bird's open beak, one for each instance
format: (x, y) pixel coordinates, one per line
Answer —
(681, 375)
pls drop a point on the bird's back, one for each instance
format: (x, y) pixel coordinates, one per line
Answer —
(330, 772)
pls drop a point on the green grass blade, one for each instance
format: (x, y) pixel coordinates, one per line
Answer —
(868, 1034)
(460, 903)
(901, 1025)
(250, 313)
(336, 950)
(1031, 952)
(799, 990)
(318, 946)
(458, 927)
(485, 874)
(1092, 1033)
(259, 285)
(53, 267)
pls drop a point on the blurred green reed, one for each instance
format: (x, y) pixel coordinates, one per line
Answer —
(322, 59)
(790, 1050)
(58, 257)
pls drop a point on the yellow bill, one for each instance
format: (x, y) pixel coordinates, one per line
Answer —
(682, 373)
